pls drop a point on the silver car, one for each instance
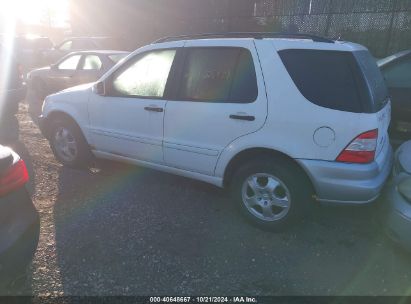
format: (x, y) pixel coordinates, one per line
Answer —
(398, 208)
(72, 70)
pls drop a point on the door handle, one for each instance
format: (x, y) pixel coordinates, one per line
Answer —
(154, 109)
(242, 117)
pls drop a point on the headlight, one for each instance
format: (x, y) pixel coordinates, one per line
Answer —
(405, 189)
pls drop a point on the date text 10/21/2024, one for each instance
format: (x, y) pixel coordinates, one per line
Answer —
(203, 300)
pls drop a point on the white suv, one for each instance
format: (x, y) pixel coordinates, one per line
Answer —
(278, 120)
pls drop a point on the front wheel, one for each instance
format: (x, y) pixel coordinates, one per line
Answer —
(68, 144)
(271, 194)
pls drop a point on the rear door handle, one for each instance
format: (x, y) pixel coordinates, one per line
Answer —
(242, 117)
(154, 109)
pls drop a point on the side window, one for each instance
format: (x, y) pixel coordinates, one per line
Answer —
(325, 78)
(66, 46)
(398, 75)
(70, 63)
(92, 62)
(218, 74)
(146, 76)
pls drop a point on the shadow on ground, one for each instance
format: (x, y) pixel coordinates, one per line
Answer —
(22, 284)
(123, 230)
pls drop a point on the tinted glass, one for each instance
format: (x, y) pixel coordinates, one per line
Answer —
(92, 62)
(244, 88)
(70, 63)
(326, 78)
(147, 76)
(398, 74)
(219, 75)
(373, 79)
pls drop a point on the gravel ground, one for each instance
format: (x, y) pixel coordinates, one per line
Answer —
(122, 230)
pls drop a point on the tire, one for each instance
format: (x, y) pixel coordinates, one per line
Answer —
(270, 193)
(68, 144)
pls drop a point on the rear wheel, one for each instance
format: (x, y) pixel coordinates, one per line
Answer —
(271, 194)
(68, 144)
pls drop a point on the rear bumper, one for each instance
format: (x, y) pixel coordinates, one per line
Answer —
(19, 234)
(349, 183)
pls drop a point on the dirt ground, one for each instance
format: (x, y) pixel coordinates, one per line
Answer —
(123, 230)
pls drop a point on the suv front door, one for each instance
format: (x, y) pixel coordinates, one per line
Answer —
(128, 121)
(220, 97)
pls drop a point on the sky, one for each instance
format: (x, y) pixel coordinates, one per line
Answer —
(35, 12)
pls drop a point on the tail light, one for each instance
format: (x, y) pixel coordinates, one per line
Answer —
(361, 150)
(14, 178)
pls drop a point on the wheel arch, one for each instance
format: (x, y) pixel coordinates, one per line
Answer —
(55, 115)
(258, 153)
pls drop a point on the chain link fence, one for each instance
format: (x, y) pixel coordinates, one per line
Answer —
(384, 26)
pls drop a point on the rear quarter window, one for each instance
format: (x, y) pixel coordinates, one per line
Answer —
(326, 78)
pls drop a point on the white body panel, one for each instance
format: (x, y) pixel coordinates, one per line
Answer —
(122, 125)
(196, 133)
(198, 139)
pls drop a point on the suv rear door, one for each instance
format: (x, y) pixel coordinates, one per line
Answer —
(219, 97)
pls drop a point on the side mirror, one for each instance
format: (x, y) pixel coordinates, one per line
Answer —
(99, 88)
(53, 66)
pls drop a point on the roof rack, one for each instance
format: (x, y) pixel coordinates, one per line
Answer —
(255, 35)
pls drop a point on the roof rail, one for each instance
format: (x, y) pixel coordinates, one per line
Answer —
(255, 35)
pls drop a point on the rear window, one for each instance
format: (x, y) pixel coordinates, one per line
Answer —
(374, 79)
(335, 79)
